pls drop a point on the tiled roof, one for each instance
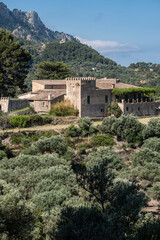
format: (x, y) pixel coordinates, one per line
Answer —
(108, 84)
(50, 82)
(41, 95)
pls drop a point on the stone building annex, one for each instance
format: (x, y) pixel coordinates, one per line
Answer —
(89, 95)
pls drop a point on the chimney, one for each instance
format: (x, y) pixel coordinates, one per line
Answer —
(49, 96)
(113, 85)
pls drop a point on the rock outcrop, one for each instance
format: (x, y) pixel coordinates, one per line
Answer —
(29, 26)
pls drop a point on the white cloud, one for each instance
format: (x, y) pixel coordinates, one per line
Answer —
(109, 46)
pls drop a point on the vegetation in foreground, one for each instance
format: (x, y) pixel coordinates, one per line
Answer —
(87, 183)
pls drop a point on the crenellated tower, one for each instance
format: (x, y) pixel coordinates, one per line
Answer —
(78, 89)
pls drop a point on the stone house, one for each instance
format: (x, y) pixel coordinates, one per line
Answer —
(90, 96)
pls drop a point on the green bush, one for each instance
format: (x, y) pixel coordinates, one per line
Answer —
(2, 154)
(107, 123)
(82, 148)
(22, 121)
(73, 131)
(19, 121)
(48, 145)
(126, 128)
(86, 127)
(114, 109)
(26, 139)
(152, 144)
(102, 140)
(152, 129)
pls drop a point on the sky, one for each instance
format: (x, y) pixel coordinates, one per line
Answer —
(126, 31)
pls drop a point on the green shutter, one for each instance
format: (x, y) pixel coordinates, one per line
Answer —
(88, 99)
(106, 98)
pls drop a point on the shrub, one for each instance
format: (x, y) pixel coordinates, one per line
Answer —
(152, 129)
(102, 140)
(2, 154)
(19, 121)
(114, 109)
(86, 127)
(62, 109)
(72, 131)
(107, 123)
(53, 144)
(144, 156)
(28, 120)
(152, 144)
(126, 128)
(82, 148)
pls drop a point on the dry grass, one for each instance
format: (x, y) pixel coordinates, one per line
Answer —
(147, 119)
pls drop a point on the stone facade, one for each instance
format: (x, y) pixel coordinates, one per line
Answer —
(89, 95)
(8, 104)
(89, 100)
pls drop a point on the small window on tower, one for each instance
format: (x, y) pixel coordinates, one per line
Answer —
(88, 99)
(126, 108)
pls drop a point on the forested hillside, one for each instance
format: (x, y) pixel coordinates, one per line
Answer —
(85, 61)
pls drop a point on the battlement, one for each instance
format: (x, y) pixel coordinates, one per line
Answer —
(81, 79)
(4, 98)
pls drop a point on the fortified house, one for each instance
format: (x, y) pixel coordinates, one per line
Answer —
(91, 96)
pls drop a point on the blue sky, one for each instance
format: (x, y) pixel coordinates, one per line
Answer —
(124, 30)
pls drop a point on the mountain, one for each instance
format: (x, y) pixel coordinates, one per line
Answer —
(29, 26)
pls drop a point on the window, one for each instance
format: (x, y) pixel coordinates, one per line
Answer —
(139, 97)
(126, 98)
(106, 98)
(127, 109)
(102, 109)
(43, 104)
(88, 99)
(138, 108)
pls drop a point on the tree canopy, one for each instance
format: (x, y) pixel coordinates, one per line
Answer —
(57, 70)
(13, 64)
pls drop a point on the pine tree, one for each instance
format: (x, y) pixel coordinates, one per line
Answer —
(13, 64)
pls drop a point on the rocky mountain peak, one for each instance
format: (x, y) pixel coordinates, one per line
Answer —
(28, 25)
(4, 11)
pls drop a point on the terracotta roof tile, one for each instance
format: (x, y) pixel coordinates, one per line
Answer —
(50, 82)
(108, 84)
(41, 95)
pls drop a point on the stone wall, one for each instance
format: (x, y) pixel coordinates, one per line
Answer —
(44, 106)
(8, 104)
(73, 92)
(37, 87)
(90, 101)
(94, 101)
(140, 108)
